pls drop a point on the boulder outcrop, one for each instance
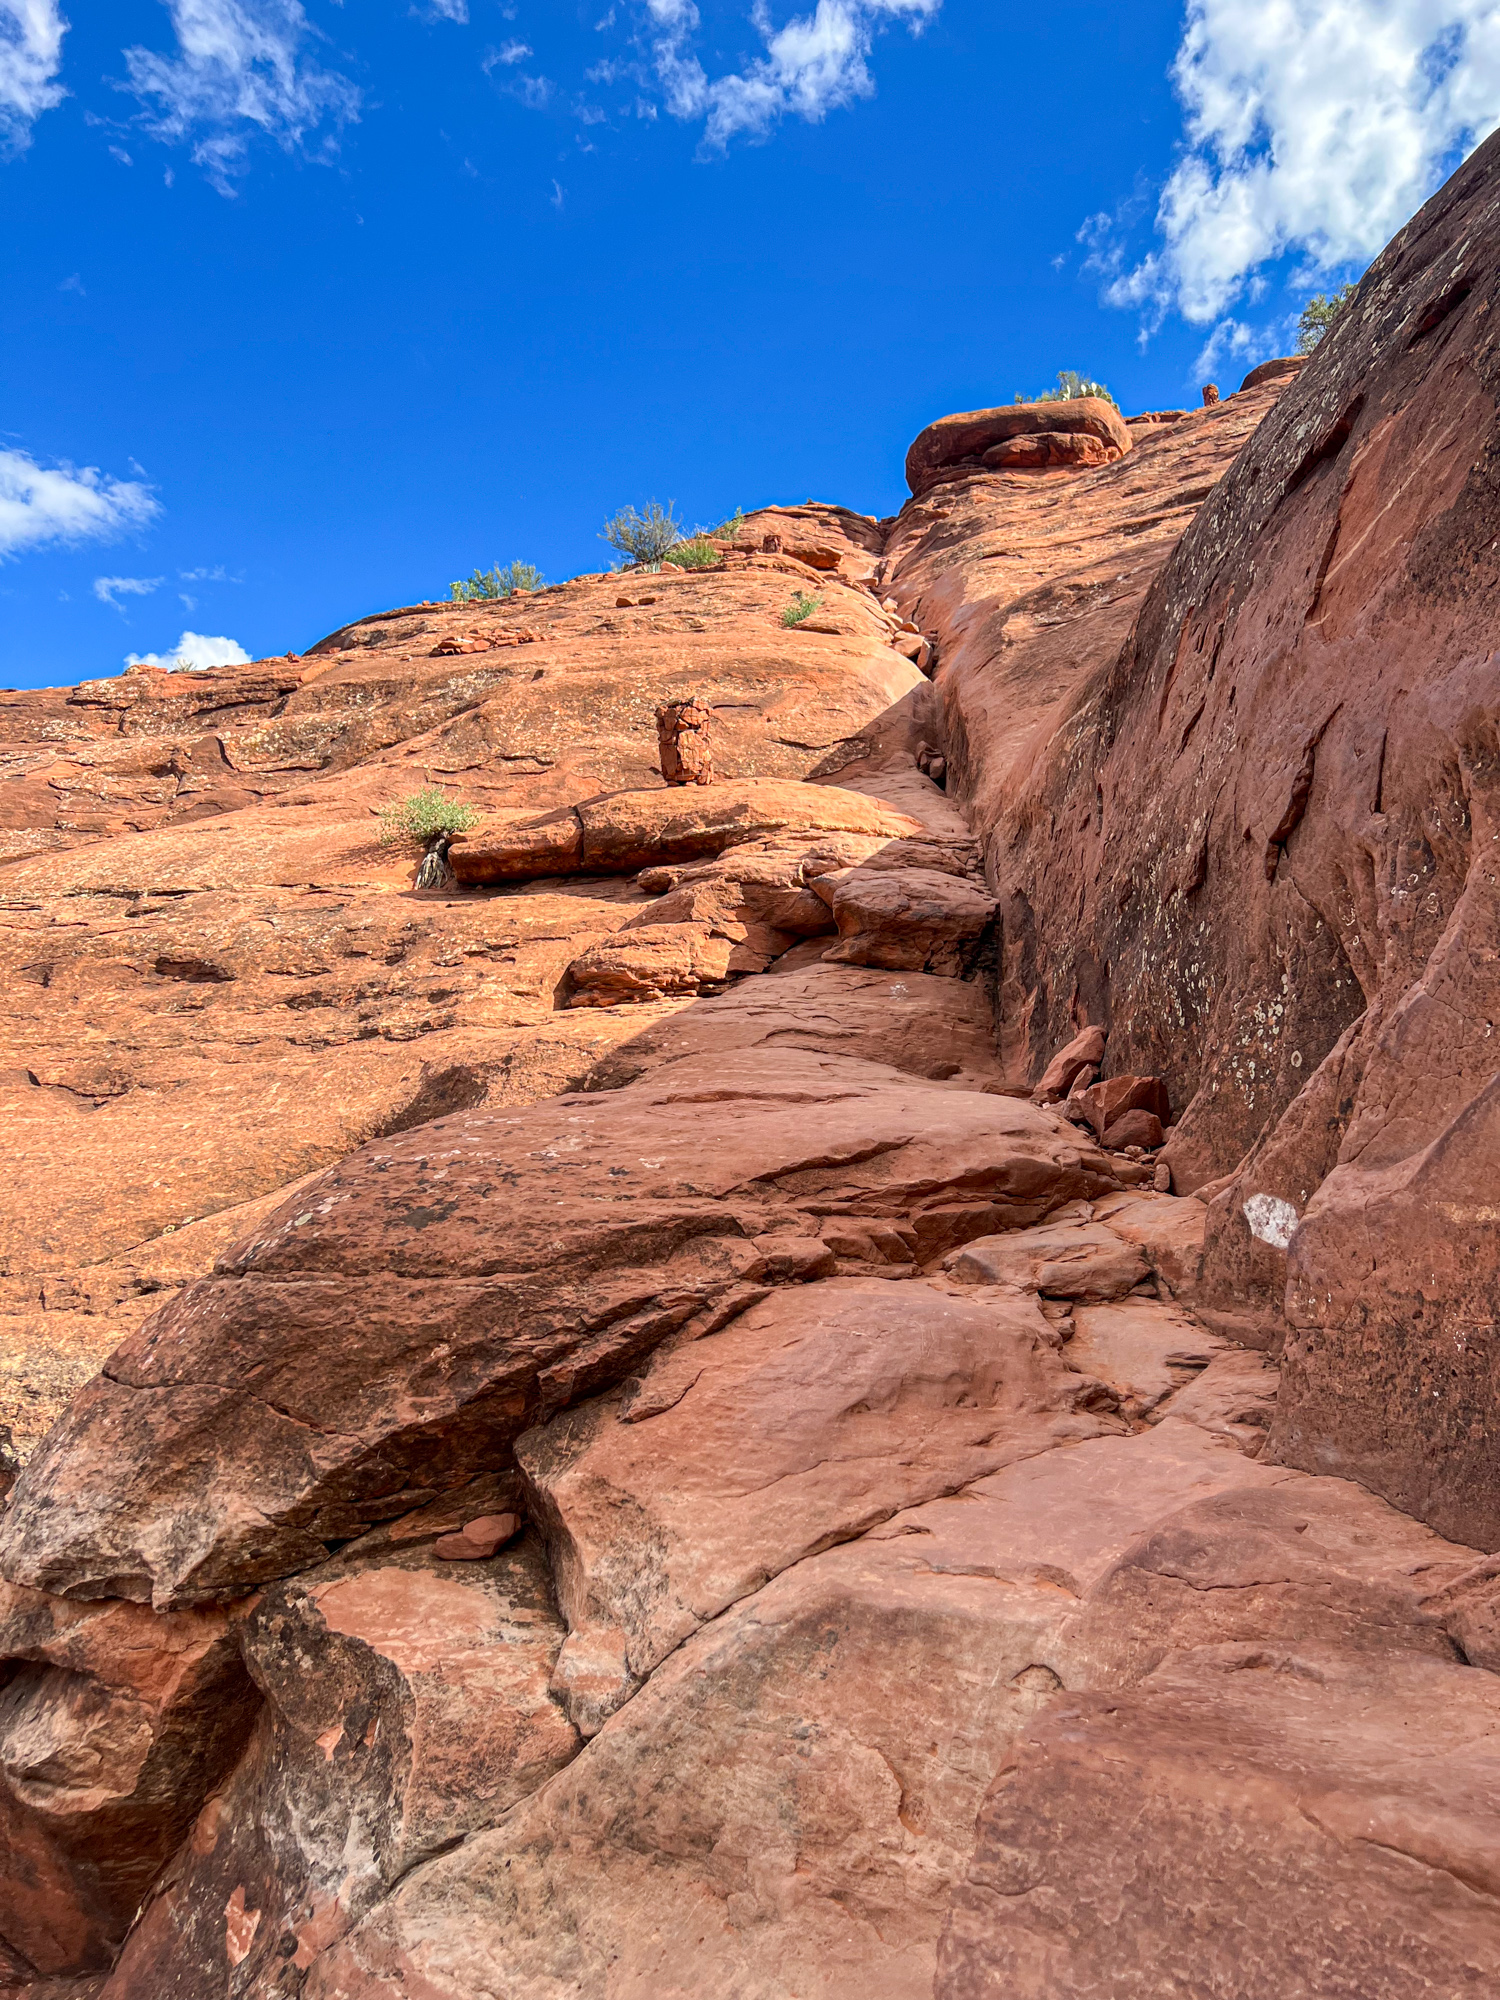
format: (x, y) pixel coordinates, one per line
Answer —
(1083, 431)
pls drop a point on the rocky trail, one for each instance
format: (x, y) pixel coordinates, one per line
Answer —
(873, 1376)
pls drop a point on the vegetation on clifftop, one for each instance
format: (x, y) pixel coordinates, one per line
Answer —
(1318, 316)
(504, 580)
(643, 537)
(1070, 384)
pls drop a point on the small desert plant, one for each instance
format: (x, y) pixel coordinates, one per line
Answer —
(1318, 315)
(643, 538)
(1070, 384)
(504, 580)
(800, 609)
(421, 816)
(728, 529)
(699, 553)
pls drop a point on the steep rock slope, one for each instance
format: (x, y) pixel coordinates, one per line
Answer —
(217, 981)
(1251, 831)
(726, 1489)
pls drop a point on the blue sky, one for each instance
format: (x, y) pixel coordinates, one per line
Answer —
(311, 309)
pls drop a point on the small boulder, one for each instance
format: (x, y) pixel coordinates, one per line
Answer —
(477, 1540)
(1280, 370)
(1107, 1101)
(651, 962)
(1135, 1128)
(1062, 1260)
(1084, 1051)
(907, 920)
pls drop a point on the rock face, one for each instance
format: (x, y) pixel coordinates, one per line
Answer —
(685, 1447)
(1276, 888)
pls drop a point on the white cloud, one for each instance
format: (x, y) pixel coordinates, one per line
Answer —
(1313, 127)
(512, 52)
(110, 589)
(193, 652)
(447, 10)
(815, 64)
(241, 68)
(66, 503)
(31, 33)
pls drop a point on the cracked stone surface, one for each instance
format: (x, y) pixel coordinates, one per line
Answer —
(958, 1557)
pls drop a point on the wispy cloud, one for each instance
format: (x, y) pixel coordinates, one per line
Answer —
(193, 652)
(73, 284)
(444, 10)
(1313, 128)
(31, 34)
(505, 56)
(218, 574)
(241, 69)
(815, 64)
(66, 503)
(110, 589)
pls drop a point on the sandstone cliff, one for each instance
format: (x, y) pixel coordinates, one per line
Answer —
(617, 1425)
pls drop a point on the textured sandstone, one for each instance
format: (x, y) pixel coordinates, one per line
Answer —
(1084, 431)
(202, 936)
(624, 832)
(406, 1704)
(258, 1418)
(817, 1413)
(727, 1488)
(808, 1852)
(113, 1724)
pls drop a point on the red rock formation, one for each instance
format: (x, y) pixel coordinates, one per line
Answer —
(1083, 431)
(1277, 787)
(683, 736)
(710, 1475)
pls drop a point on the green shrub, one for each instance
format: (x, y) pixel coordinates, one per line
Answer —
(699, 553)
(420, 815)
(504, 580)
(1318, 315)
(801, 608)
(728, 529)
(643, 538)
(1070, 384)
